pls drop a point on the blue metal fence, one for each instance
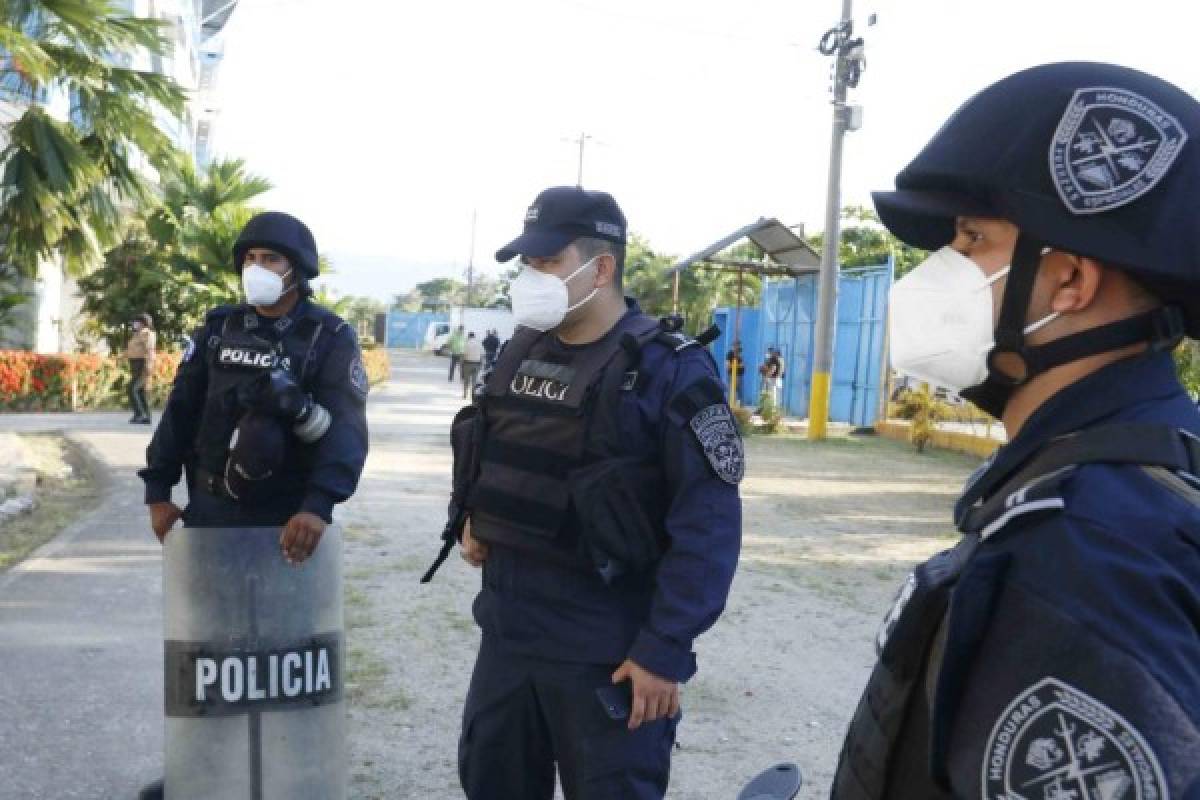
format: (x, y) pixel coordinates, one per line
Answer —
(787, 320)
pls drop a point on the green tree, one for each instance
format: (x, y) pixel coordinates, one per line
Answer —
(439, 294)
(865, 242)
(175, 259)
(12, 296)
(702, 288)
(66, 185)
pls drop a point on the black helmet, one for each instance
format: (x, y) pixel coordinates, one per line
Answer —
(1094, 159)
(282, 233)
(256, 452)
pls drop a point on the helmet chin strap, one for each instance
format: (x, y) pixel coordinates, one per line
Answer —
(1162, 328)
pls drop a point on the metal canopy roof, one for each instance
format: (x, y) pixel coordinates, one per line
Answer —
(789, 251)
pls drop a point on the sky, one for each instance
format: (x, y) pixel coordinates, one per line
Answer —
(388, 124)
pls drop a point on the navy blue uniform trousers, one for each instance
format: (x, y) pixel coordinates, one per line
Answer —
(525, 715)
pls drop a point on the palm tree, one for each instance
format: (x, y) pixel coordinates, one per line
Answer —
(174, 259)
(64, 186)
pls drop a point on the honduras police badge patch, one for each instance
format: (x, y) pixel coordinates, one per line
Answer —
(1111, 147)
(358, 377)
(716, 431)
(1055, 741)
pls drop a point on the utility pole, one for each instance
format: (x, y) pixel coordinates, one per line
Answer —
(848, 66)
(583, 137)
(471, 262)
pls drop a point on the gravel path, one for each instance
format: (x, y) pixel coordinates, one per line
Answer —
(830, 531)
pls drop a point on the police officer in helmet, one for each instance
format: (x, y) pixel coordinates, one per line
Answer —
(605, 515)
(267, 415)
(1055, 652)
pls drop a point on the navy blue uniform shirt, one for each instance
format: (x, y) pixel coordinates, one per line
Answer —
(333, 463)
(536, 608)
(1072, 649)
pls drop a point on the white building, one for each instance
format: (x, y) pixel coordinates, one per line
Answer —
(50, 321)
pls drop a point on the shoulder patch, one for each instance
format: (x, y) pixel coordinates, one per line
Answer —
(190, 350)
(1055, 741)
(358, 377)
(716, 430)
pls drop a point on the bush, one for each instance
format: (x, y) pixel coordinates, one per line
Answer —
(379, 369)
(920, 406)
(745, 420)
(68, 382)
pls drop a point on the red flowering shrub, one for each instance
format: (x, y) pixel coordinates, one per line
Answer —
(66, 381)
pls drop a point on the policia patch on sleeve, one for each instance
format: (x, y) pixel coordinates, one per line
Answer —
(703, 405)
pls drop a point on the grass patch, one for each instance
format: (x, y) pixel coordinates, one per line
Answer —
(365, 675)
(61, 497)
(357, 607)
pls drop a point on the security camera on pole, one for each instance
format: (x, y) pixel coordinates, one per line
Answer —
(848, 68)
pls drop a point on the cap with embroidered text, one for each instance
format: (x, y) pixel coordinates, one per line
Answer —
(562, 214)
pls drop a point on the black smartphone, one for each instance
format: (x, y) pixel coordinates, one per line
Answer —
(616, 700)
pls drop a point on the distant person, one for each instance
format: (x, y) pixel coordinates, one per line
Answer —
(734, 365)
(491, 346)
(455, 344)
(771, 370)
(471, 361)
(140, 353)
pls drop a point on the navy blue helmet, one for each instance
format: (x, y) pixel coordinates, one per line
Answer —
(1094, 159)
(282, 233)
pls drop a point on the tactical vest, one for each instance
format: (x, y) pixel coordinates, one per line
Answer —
(550, 411)
(894, 723)
(237, 355)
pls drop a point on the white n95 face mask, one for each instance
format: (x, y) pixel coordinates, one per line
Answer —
(262, 287)
(539, 300)
(941, 327)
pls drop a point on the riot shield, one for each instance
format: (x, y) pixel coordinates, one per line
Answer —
(254, 667)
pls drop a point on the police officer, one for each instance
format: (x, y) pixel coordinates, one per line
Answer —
(267, 413)
(1055, 652)
(605, 515)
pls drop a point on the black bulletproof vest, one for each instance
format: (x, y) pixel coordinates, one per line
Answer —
(900, 720)
(542, 420)
(239, 354)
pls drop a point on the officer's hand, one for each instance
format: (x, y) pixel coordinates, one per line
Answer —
(162, 517)
(300, 537)
(653, 697)
(474, 552)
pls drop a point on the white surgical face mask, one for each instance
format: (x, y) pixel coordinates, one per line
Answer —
(941, 325)
(262, 287)
(539, 300)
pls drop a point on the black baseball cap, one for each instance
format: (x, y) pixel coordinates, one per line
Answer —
(562, 214)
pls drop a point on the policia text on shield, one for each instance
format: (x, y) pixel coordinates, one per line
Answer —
(1055, 652)
(595, 482)
(266, 419)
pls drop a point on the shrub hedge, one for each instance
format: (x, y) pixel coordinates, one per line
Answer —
(70, 382)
